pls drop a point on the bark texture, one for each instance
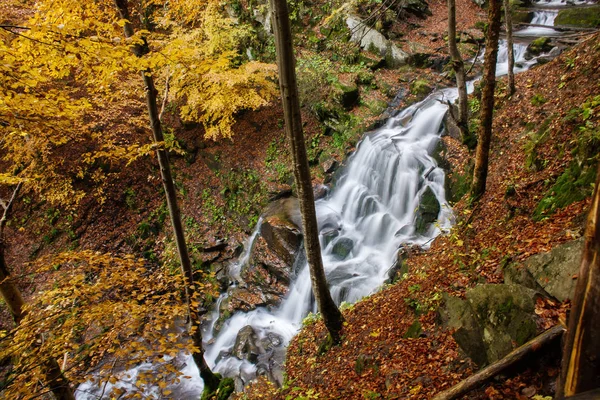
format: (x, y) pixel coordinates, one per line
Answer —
(211, 380)
(510, 47)
(293, 125)
(580, 370)
(482, 153)
(459, 70)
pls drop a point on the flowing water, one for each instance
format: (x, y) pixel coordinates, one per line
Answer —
(370, 212)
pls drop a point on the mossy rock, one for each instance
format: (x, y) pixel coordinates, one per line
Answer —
(427, 212)
(420, 88)
(588, 17)
(347, 95)
(539, 46)
(413, 331)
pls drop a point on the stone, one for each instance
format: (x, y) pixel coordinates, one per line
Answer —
(342, 248)
(246, 345)
(413, 331)
(372, 40)
(427, 211)
(348, 95)
(492, 321)
(587, 17)
(538, 46)
(328, 163)
(550, 273)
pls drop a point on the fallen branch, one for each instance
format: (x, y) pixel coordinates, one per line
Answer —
(494, 369)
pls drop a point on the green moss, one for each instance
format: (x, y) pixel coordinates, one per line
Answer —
(575, 184)
(420, 87)
(414, 330)
(226, 387)
(588, 17)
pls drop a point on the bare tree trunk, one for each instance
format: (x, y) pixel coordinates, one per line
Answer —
(482, 153)
(293, 125)
(53, 376)
(580, 370)
(510, 47)
(210, 379)
(459, 70)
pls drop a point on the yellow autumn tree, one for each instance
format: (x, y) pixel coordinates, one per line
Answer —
(102, 316)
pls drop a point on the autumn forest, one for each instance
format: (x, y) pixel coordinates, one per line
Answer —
(244, 199)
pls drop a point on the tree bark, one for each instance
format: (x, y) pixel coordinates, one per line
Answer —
(580, 370)
(482, 153)
(494, 369)
(459, 70)
(211, 380)
(293, 125)
(510, 47)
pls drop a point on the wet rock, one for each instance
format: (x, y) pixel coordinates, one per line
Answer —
(342, 248)
(427, 211)
(550, 273)
(328, 163)
(246, 345)
(320, 191)
(281, 229)
(538, 46)
(341, 274)
(372, 40)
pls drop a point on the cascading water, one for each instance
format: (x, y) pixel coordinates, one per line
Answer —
(369, 213)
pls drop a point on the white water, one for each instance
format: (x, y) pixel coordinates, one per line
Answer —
(545, 17)
(372, 206)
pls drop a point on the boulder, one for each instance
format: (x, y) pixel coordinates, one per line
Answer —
(538, 46)
(281, 228)
(372, 40)
(342, 248)
(246, 345)
(348, 95)
(586, 17)
(427, 211)
(492, 321)
(551, 273)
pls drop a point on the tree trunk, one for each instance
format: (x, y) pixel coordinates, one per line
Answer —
(510, 47)
(459, 70)
(211, 381)
(580, 370)
(53, 376)
(293, 125)
(482, 153)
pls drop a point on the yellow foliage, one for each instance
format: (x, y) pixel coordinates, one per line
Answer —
(104, 314)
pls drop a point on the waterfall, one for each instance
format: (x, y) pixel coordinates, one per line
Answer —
(367, 216)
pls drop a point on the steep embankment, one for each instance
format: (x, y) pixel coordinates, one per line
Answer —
(542, 167)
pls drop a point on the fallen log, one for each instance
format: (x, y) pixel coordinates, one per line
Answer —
(494, 369)
(591, 395)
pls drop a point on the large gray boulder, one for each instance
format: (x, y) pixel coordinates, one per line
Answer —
(492, 321)
(372, 40)
(552, 273)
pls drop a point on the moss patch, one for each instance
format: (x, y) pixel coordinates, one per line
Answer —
(588, 17)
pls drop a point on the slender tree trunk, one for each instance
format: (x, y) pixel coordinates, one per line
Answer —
(482, 153)
(580, 370)
(510, 47)
(53, 376)
(210, 379)
(293, 125)
(459, 70)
